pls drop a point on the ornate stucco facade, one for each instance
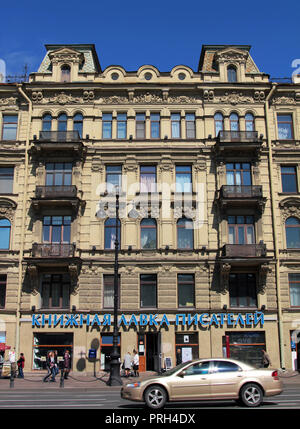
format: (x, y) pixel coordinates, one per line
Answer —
(226, 131)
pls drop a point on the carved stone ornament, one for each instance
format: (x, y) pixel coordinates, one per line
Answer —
(225, 271)
(237, 56)
(259, 96)
(63, 98)
(262, 278)
(73, 271)
(7, 209)
(33, 275)
(208, 95)
(37, 96)
(88, 96)
(235, 98)
(284, 99)
(290, 207)
(6, 101)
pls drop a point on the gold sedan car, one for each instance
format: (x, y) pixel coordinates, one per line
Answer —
(206, 379)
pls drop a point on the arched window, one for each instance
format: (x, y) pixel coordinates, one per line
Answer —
(62, 121)
(148, 233)
(5, 228)
(219, 123)
(47, 122)
(110, 233)
(234, 122)
(65, 73)
(231, 74)
(185, 234)
(292, 232)
(78, 123)
(249, 119)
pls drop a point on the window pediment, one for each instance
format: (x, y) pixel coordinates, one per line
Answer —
(66, 55)
(233, 55)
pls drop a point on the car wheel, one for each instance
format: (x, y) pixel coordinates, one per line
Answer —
(155, 397)
(251, 395)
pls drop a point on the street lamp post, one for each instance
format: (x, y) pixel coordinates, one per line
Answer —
(114, 377)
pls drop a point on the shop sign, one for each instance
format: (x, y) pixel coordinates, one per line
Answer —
(183, 319)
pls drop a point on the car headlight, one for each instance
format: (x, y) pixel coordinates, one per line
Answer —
(136, 384)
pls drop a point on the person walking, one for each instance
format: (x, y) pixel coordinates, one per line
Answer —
(67, 364)
(12, 360)
(48, 361)
(136, 361)
(127, 364)
(21, 362)
(266, 361)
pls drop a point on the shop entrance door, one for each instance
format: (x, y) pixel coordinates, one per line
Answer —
(153, 351)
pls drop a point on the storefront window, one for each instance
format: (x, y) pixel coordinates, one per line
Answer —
(246, 346)
(187, 347)
(44, 343)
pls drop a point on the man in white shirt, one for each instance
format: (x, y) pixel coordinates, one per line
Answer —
(135, 363)
(12, 360)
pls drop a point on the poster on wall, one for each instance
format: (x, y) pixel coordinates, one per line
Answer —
(186, 354)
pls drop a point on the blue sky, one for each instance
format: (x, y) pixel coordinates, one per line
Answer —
(164, 33)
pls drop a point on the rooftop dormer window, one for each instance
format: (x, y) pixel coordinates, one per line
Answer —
(65, 73)
(231, 74)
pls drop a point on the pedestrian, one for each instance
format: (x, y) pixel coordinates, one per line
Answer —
(178, 357)
(56, 369)
(136, 361)
(127, 364)
(266, 361)
(21, 362)
(67, 364)
(48, 362)
(12, 360)
(1, 362)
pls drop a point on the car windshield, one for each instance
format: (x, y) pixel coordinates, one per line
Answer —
(176, 368)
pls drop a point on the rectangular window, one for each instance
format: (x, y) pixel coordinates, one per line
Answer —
(2, 291)
(183, 178)
(108, 291)
(238, 174)
(55, 291)
(155, 125)
(294, 285)
(121, 126)
(113, 178)
(9, 127)
(107, 126)
(289, 179)
(6, 180)
(241, 230)
(242, 290)
(190, 125)
(175, 126)
(148, 178)
(285, 127)
(186, 290)
(148, 292)
(57, 229)
(58, 173)
(140, 125)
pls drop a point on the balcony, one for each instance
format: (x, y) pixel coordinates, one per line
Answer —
(241, 196)
(56, 196)
(57, 143)
(53, 250)
(241, 141)
(244, 250)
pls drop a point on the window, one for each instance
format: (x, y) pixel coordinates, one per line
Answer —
(5, 229)
(58, 174)
(249, 120)
(234, 122)
(57, 229)
(148, 292)
(294, 284)
(289, 179)
(183, 178)
(110, 233)
(185, 234)
(292, 231)
(242, 290)
(78, 123)
(6, 180)
(47, 122)
(219, 123)
(140, 125)
(107, 126)
(190, 125)
(62, 122)
(113, 178)
(231, 74)
(121, 126)
(155, 125)
(148, 233)
(186, 290)
(175, 125)
(108, 291)
(198, 369)
(9, 127)
(65, 73)
(148, 178)
(2, 291)
(224, 366)
(285, 127)
(238, 174)
(55, 291)
(241, 230)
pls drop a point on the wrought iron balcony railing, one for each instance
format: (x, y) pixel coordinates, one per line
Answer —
(244, 250)
(53, 192)
(53, 250)
(241, 191)
(59, 136)
(238, 136)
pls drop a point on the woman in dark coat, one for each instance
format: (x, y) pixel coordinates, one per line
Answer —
(67, 364)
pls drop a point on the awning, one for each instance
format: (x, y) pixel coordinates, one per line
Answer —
(4, 347)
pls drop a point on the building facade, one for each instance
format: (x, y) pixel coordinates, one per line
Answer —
(206, 166)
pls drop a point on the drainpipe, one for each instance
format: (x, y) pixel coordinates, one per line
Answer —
(275, 234)
(24, 202)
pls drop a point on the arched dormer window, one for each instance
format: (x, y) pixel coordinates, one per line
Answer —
(148, 233)
(5, 229)
(219, 122)
(78, 123)
(292, 233)
(65, 73)
(231, 74)
(47, 122)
